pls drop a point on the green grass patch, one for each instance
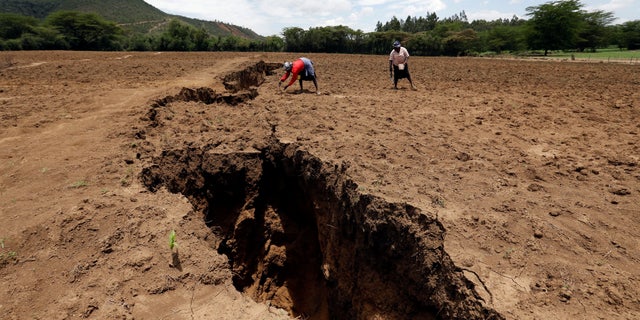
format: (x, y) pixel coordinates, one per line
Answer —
(601, 54)
(6, 254)
(79, 184)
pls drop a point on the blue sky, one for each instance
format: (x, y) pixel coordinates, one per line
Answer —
(270, 17)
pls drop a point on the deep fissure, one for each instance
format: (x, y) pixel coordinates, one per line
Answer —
(240, 86)
(298, 234)
(282, 259)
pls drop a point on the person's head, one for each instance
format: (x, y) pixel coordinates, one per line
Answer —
(396, 45)
(287, 66)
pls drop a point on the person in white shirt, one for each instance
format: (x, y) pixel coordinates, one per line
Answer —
(398, 67)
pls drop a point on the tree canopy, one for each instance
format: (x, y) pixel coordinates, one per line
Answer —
(555, 25)
(85, 31)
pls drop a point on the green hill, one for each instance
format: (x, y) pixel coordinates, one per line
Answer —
(134, 15)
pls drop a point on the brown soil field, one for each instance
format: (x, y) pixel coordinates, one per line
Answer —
(500, 189)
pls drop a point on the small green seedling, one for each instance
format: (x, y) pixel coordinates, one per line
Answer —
(79, 184)
(172, 239)
(6, 255)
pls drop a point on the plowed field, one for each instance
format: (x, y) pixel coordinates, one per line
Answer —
(499, 189)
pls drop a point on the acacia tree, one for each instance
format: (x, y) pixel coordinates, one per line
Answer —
(630, 35)
(555, 25)
(504, 38)
(594, 30)
(85, 31)
(13, 26)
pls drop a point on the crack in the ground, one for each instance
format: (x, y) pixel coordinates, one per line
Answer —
(240, 86)
(300, 235)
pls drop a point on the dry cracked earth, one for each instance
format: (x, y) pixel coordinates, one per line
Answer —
(500, 189)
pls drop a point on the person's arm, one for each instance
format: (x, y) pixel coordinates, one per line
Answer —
(294, 77)
(391, 64)
(390, 68)
(283, 78)
(298, 66)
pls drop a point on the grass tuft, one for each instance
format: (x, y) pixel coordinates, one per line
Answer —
(79, 184)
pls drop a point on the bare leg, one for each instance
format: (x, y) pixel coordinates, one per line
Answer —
(410, 82)
(409, 78)
(395, 77)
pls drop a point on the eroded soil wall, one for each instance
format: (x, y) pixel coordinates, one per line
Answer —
(299, 234)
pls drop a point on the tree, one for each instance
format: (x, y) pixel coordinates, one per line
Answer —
(273, 44)
(393, 25)
(593, 33)
(200, 39)
(139, 43)
(554, 25)
(180, 36)
(293, 39)
(425, 44)
(459, 43)
(85, 31)
(410, 25)
(19, 32)
(504, 38)
(13, 26)
(630, 35)
(429, 23)
(377, 42)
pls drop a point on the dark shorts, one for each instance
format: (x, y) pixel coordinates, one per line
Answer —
(307, 77)
(399, 74)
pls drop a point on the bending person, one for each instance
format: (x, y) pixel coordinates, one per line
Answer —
(301, 70)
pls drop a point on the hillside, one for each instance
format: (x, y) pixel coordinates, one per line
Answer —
(134, 15)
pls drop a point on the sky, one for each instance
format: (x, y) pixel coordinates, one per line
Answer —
(268, 18)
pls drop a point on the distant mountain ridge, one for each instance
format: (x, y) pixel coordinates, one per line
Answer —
(135, 15)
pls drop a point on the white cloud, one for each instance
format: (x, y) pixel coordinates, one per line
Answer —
(416, 8)
(623, 10)
(373, 2)
(267, 17)
(614, 5)
(488, 15)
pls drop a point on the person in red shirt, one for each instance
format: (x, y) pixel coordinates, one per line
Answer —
(301, 69)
